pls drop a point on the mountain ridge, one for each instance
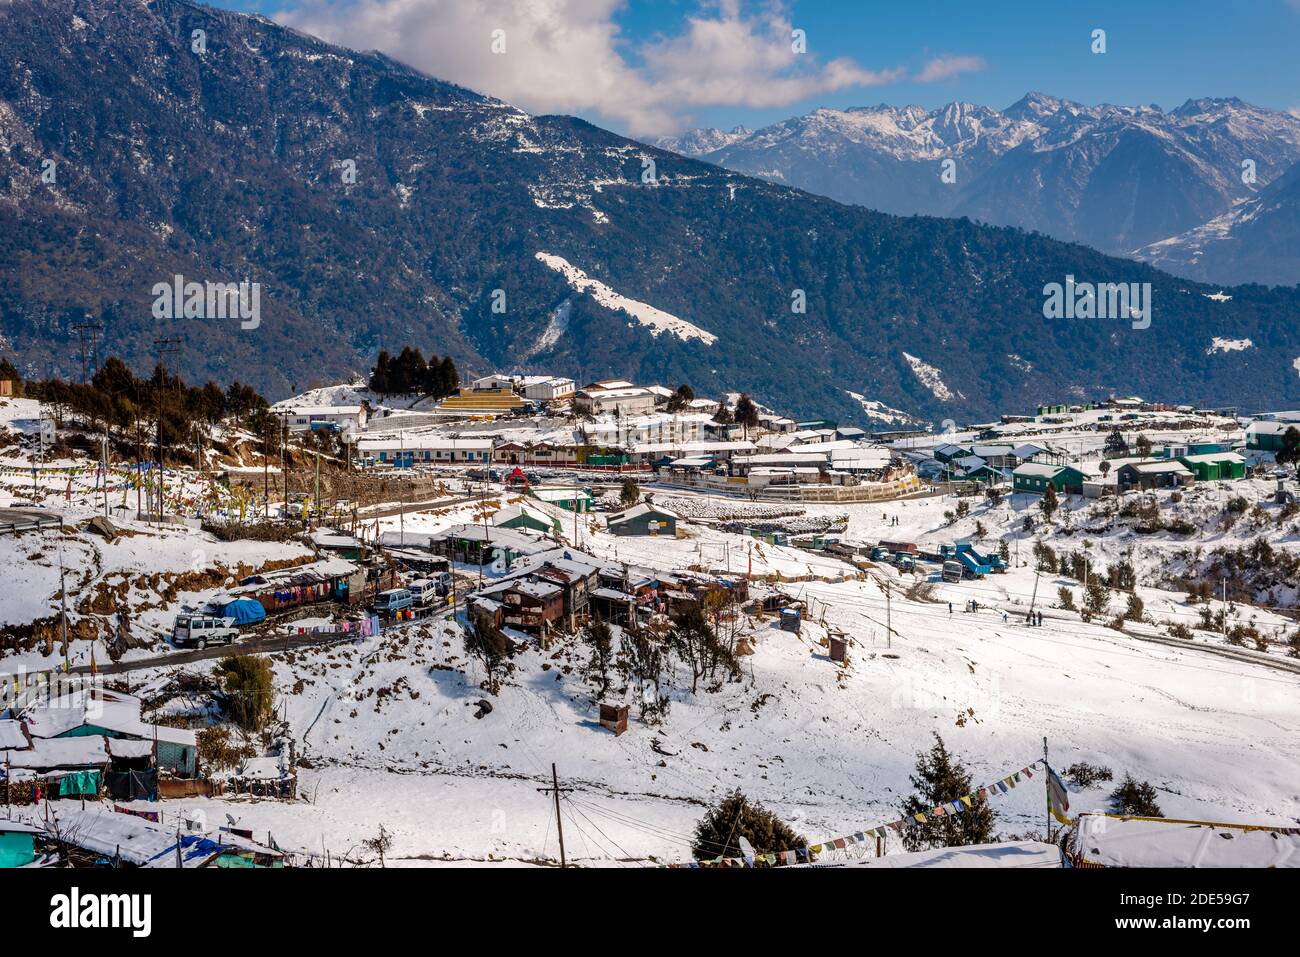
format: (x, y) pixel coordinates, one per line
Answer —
(231, 165)
(1118, 178)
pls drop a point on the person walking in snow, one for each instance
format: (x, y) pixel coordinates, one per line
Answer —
(950, 609)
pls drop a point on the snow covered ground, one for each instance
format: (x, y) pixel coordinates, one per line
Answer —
(388, 729)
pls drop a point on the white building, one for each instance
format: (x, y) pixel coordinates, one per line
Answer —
(615, 396)
(549, 389)
(659, 429)
(432, 449)
(344, 418)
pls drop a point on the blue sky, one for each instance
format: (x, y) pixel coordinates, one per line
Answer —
(648, 67)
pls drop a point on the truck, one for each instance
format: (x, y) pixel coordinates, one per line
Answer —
(908, 547)
(199, 631)
(952, 571)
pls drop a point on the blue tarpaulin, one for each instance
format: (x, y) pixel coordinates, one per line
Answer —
(245, 611)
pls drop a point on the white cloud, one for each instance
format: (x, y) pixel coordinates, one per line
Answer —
(946, 67)
(567, 56)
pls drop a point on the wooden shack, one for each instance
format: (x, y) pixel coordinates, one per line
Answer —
(614, 717)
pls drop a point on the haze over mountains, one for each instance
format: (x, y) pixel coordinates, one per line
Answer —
(232, 163)
(1118, 178)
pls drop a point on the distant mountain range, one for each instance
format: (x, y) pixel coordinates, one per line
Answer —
(377, 207)
(1129, 180)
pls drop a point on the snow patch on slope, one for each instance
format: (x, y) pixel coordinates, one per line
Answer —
(656, 320)
(879, 411)
(930, 378)
(1228, 345)
(555, 327)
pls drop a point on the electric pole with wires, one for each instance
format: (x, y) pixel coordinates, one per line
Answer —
(556, 790)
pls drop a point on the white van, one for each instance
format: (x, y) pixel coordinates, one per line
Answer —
(203, 630)
(425, 591)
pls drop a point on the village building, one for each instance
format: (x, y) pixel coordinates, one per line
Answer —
(107, 714)
(1264, 436)
(543, 453)
(1034, 478)
(1148, 474)
(614, 396)
(643, 519)
(571, 498)
(1215, 466)
(526, 604)
(337, 418)
(532, 517)
(426, 449)
(479, 545)
(549, 389)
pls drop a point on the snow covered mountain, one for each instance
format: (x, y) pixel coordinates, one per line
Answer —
(1113, 177)
(1258, 238)
(378, 207)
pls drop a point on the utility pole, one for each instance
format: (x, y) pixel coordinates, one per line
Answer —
(1047, 787)
(89, 357)
(556, 790)
(167, 346)
(889, 619)
(1034, 597)
(1225, 608)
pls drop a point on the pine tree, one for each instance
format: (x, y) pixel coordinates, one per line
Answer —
(601, 641)
(628, 494)
(723, 416)
(940, 779)
(381, 375)
(1050, 503)
(1115, 444)
(681, 398)
(746, 413)
(719, 832)
(448, 377)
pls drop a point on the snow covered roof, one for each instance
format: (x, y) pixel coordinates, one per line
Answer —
(421, 443)
(321, 410)
(512, 538)
(48, 754)
(121, 715)
(1269, 428)
(636, 511)
(1158, 842)
(1038, 470)
(1028, 450)
(1212, 457)
(1008, 854)
(1159, 467)
(11, 735)
(542, 590)
(137, 840)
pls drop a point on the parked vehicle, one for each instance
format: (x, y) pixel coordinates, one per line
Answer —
(200, 631)
(424, 591)
(393, 600)
(904, 562)
(952, 571)
(443, 581)
(880, 554)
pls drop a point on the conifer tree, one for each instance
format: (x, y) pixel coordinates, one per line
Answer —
(719, 832)
(939, 780)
